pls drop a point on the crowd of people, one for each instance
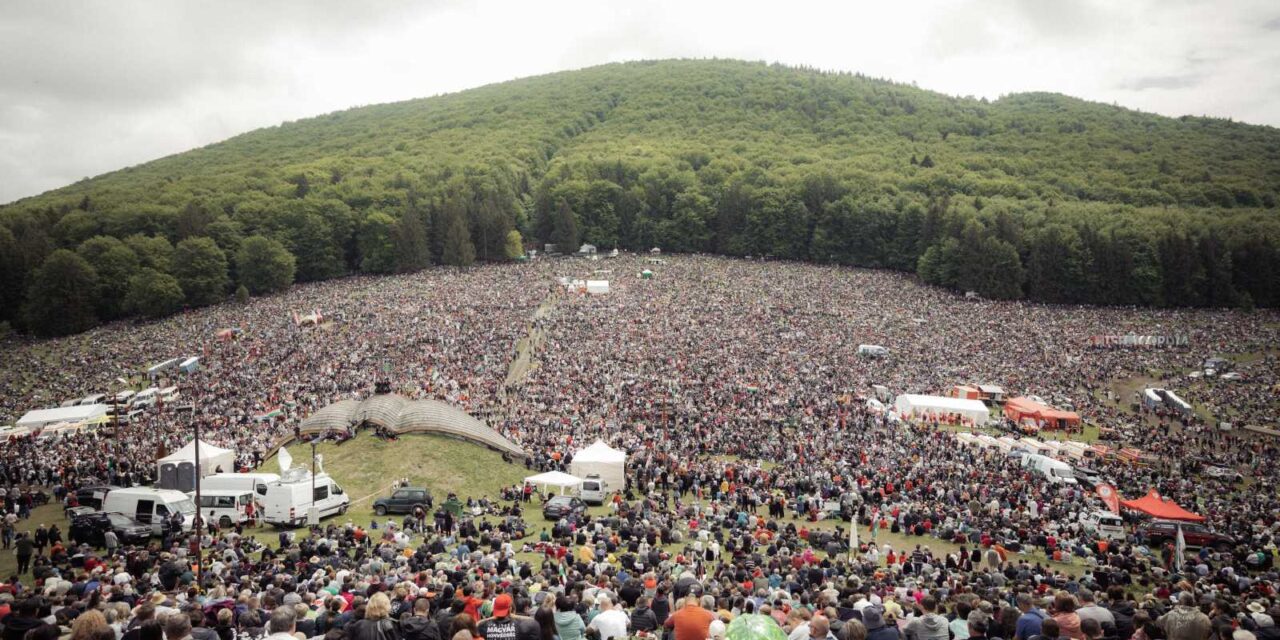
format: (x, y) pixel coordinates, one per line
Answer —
(737, 390)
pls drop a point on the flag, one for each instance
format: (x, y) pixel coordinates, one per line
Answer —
(1109, 497)
(1180, 550)
(853, 537)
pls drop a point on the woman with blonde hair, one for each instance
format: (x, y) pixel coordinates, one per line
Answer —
(376, 624)
(88, 625)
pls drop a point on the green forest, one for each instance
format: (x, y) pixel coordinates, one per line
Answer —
(1032, 196)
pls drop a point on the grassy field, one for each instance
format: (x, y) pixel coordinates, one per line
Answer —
(367, 467)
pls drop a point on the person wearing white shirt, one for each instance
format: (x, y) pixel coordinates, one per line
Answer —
(610, 622)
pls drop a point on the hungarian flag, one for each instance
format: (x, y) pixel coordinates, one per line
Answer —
(1109, 497)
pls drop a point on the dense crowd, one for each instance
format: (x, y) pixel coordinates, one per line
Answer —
(739, 394)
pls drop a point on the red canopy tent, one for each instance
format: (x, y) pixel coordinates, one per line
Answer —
(1153, 504)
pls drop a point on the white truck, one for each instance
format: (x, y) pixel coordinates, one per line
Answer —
(289, 501)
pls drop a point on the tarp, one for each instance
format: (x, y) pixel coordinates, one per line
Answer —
(1025, 409)
(942, 408)
(1156, 506)
(603, 460)
(75, 413)
(557, 479)
(177, 470)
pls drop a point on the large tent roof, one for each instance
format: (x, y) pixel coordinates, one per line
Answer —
(1154, 505)
(74, 413)
(600, 452)
(207, 452)
(554, 479)
(911, 403)
(399, 415)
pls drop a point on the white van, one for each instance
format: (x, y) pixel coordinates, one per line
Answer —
(169, 394)
(226, 507)
(289, 500)
(124, 398)
(872, 351)
(255, 482)
(151, 506)
(593, 489)
(1104, 524)
(146, 398)
(1054, 471)
(97, 398)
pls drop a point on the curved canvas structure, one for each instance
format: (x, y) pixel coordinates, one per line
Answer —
(400, 415)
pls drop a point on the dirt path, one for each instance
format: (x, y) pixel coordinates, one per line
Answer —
(527, 347)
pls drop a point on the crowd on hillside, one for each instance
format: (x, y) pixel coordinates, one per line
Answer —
(738, 392)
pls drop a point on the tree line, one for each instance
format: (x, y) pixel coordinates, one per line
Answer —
(1034, 196)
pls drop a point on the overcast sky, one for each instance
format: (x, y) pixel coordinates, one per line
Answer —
(91, 86)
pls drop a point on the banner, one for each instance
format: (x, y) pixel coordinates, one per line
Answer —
(1109, 497)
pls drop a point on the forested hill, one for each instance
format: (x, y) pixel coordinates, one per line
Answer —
(1034, 195)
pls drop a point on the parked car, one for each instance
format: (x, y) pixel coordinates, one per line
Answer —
(1223, 472)
(562, 506)
(1088, 478)
(403, 500)
(92, 528)
(1157, 532)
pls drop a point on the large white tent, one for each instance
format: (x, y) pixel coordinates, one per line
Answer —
(558, 479)
(75, 413)
(602, 460)
(917, 405)
(177, 470)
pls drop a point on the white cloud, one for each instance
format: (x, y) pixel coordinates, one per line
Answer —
(88, 87)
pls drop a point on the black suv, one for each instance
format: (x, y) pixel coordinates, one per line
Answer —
(91, 528)
(562, 506)
(1158, 532)
(403, 500)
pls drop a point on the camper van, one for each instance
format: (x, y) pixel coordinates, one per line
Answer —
(289, 500)
(1074, 451)
(593, 489)
(1054, 471)
(169, 394)
(1104, 524)
(151, 506)
(254, 482)
(227, 507)
(1032, 445)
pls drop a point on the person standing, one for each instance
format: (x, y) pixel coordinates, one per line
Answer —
(24, 548)
(111, 541)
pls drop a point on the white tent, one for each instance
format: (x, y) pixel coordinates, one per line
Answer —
(914, 405)
(177, 470)
(76, 413)
(558, 479)
(603, 460)
(596, 287)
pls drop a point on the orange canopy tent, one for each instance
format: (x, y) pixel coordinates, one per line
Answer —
(1153, 504)
(1025, 409)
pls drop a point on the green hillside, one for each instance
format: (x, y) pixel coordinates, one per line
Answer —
(1033, 195)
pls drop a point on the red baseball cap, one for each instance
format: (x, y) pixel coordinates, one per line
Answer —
(502, 606)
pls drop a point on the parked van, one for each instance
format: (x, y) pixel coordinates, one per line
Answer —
(593, 489)
(289, 500)
(226, 507)
(1104, 524)
(254, 482)
(151, 506)
(169, 394)
(1074, 451)
(1054, 471)
(97, 398)
(146, 398)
